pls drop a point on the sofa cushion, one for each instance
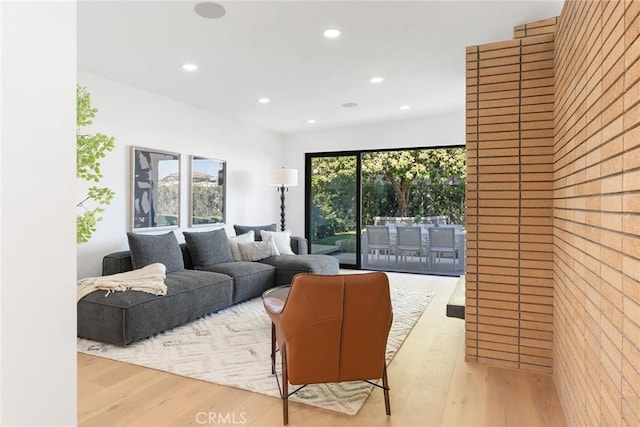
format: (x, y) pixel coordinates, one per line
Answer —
(241, 229)
(124, 317)
(282, 240)
(288, 266)
(255, 251)
(148, 249)
(250, 279)
(209, 247)
(243, 238)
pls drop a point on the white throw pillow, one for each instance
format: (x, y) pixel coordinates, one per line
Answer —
(243, 238)
(282, 239)
(255, 251)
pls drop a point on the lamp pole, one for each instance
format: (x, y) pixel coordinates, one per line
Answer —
(282, 188)
(282, 179)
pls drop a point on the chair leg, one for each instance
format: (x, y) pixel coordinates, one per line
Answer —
(285, 387)
(385, 385)
(273, 348)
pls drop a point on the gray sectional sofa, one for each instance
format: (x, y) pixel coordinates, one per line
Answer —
(193, 289)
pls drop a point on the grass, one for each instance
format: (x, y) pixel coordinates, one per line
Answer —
(331, 240)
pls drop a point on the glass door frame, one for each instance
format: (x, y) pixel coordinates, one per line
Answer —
(308, 199)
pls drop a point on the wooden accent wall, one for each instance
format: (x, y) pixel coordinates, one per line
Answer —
(509, 304)
(597, 213)
(538, 28)
(553, 255)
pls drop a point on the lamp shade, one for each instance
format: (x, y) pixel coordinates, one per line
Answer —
(283, 177)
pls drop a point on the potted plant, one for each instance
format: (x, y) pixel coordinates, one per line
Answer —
(90, 149)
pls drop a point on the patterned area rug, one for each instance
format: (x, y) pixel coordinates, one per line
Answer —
(232, 347)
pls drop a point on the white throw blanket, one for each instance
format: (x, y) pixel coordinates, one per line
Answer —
(148, 279)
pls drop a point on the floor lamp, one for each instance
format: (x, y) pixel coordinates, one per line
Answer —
(283, 178)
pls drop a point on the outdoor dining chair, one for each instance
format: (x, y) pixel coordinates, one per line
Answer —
(442, 241)
(409, 239)
(378, 240)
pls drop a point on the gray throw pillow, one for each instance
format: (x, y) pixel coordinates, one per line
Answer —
(147, 249)
(241, 229)
(209, 247)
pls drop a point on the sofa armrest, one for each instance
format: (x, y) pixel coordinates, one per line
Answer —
(117, 262)
(299, 245)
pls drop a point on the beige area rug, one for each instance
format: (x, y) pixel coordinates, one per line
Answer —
(232, 347)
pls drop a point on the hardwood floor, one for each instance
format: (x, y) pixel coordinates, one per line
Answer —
(431, 385)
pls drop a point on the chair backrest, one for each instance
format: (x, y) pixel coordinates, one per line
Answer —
(409, 236)
(378, 235)
(336, 327)
(442, 237)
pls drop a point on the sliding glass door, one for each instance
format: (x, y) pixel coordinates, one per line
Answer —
(374, 209)
(333, 206)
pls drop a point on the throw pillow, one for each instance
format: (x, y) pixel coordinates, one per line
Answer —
(255, 251)
(241, 229)
(209, 247)
(234, 241)
(282, 240)
(147, 249)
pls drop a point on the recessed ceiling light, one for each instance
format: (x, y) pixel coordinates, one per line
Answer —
(376, 79)
(209, 9)
(189, 67)
(332, 33)
(312, 121)
(405, 107)
(264, 100)
(349, 105)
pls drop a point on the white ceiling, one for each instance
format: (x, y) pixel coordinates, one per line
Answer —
(276, 49)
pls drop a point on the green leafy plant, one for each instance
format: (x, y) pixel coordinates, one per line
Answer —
(90, 149)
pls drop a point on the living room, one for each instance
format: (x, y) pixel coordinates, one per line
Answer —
(44, 82)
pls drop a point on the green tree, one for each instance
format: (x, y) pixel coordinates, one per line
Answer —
(332, 184)
(90, 149)
(409, 183)
(378, 198)
(403, 169)
(443, 192)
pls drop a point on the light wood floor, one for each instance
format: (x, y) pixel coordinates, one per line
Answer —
(431, 385)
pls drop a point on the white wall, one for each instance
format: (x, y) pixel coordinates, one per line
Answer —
(37, 168)
(1, 198)
(139, 118)
(430, 131)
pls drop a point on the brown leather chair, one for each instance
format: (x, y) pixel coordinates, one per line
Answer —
(331, 328)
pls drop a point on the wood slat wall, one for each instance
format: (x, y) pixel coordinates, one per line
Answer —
(546, 26)
(553, 141)
(509, 305)
(597, 213)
